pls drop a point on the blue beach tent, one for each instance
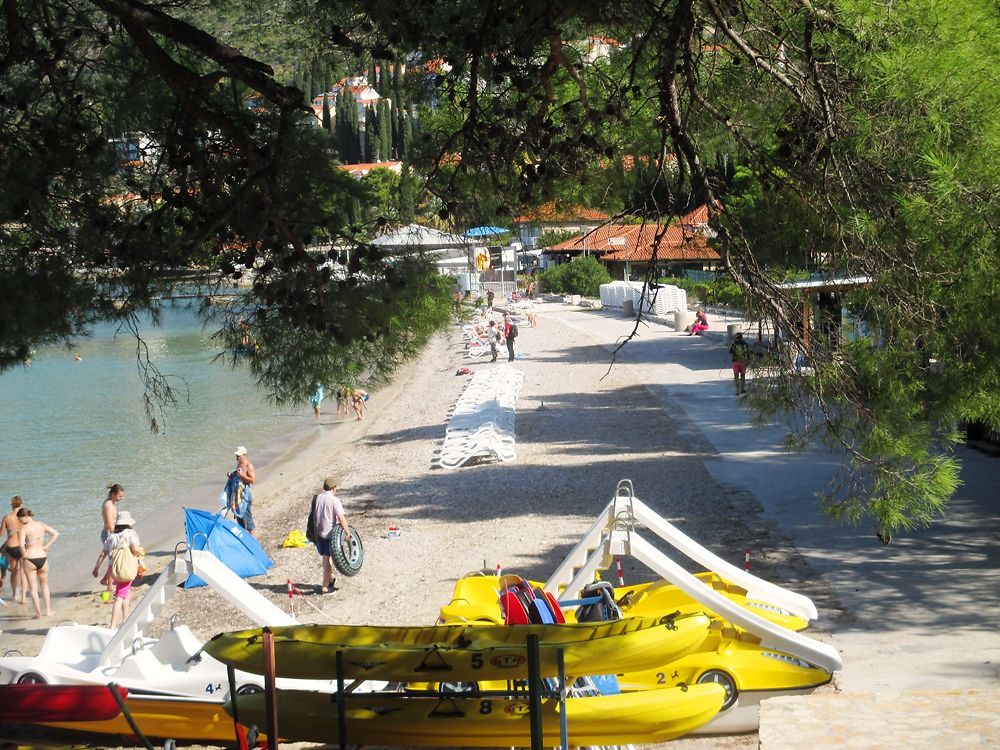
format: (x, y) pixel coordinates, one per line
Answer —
(228, 541)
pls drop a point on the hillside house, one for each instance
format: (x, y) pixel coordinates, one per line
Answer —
(530, 226)
(364, 95)
(628, 249)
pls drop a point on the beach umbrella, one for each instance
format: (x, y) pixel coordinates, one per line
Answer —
(486, 231)
(228, 541)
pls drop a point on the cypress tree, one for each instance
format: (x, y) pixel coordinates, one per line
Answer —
(371, 144)
(384, 130)
(351, 141)
(406, 125)
(327, 123)
(307, 86)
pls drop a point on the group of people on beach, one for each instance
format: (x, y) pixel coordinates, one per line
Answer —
(25, 557)
(355, 396)
(496, 333)
(26, 553)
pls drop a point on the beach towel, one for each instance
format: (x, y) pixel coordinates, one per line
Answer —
(238, 496)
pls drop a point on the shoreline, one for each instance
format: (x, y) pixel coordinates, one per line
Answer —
(525, 515)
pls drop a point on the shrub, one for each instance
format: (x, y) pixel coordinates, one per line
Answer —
(582, 276)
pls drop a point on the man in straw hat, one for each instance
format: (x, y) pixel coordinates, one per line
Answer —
(327, 510)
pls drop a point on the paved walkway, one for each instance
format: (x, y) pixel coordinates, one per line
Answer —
(921, 614)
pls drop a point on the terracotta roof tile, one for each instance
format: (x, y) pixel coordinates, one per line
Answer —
(548, 212)
(634, 242)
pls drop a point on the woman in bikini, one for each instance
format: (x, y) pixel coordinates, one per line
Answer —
(12, 547)
(36, 557)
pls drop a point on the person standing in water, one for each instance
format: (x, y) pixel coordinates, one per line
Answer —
(109, 509)
(109, 512)
(317, 398)
(12, 546)
(36, 558)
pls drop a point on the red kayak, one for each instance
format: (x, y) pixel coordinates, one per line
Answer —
(28, 704)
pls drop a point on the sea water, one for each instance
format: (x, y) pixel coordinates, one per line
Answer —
(69, 428)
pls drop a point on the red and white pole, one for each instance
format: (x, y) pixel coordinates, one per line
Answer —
(746, 559)
(618, 569)
(291, 600)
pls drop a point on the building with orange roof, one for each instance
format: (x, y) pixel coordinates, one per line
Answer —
(360, 170)
(628, 249)
(531, 225)
(364, 96)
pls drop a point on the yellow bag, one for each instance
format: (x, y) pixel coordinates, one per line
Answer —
(295, 538)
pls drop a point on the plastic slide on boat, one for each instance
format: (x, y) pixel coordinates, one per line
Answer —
(649, 716)
(463, 652)
(614, 533)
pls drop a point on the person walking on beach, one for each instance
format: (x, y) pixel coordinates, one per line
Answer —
(739, 350)
(317, 398)
(327, 511)
(12, 549)
(238, 495)
(123, 551)
(509, 334)
(36, 558)
(494, 337)
(358, 398)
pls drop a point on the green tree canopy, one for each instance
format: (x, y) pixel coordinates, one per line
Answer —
(873, 126)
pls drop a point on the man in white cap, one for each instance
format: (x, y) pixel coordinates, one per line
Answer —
(238, 497)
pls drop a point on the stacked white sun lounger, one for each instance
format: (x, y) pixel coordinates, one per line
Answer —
(482, 420)
(659, 301)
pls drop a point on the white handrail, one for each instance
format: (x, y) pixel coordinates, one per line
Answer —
(757, 588)
(771, 635)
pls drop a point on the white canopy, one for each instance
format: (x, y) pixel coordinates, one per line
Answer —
(415, 236)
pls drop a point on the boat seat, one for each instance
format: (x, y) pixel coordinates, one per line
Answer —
(176, 646)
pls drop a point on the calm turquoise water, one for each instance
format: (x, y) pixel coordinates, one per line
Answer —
(69, 428)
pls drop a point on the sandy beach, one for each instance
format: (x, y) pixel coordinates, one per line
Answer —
(580, 429)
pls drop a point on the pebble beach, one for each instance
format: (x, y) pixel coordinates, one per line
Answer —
(582, 425)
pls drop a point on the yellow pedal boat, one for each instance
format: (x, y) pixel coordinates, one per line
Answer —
(630, 718)
(475, 599)
(463, 652)
(729, 656)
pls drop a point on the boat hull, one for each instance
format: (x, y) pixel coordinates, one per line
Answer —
(463, 652)
(32, 702)
(186, 719)
(646, 717)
